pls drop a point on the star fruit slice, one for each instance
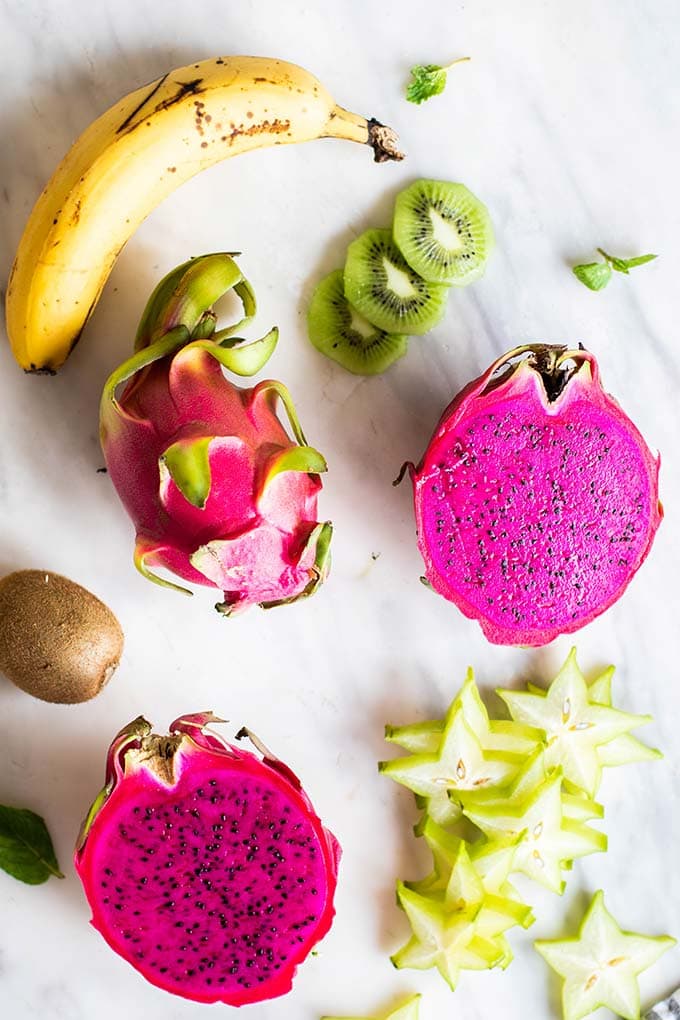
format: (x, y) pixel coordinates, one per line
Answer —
(577, 807)
(600, 966)
(626, 749)
(494, 735)
(575, 726)
(459, 928)
(549, 837)
(459, 764)
(623, 750)
(406, 1011)
(492, 862)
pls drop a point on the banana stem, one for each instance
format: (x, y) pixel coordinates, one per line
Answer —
(350, 126)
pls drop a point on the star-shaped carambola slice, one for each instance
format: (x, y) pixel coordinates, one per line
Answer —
(626, 749)
(600, 966)
(444, 848)
(459, 929)
(575, 726)
(548, 837)
(407, 1011)
(577, 807)
(459, 764)
(492, 861)
(494, 735)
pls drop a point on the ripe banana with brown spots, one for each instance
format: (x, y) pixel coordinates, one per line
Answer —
(131, 158)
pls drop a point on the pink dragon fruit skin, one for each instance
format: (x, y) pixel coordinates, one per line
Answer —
(206, 867)
(217, 490)
(537, 498)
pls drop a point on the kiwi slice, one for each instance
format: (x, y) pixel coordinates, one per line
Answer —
(443, 231)
(385, 289)
(340, 332)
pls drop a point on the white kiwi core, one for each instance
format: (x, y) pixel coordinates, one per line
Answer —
(398, 281)
(444, 232)
(361, 325)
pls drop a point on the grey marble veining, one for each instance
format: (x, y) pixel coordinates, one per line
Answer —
(566, 123)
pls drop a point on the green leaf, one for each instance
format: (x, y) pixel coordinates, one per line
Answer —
(181, 298)
(623, 265)
(168, 344)
(595, 275)
(321, 538)
(428, 80)
(145, 549)
(26, 850)
(247, 296)
(639, 260)
(187, 462)
(270, 389)
(205, 327)
(297, 458)
(241, 357)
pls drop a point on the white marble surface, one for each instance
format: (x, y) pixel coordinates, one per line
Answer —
(566, 123)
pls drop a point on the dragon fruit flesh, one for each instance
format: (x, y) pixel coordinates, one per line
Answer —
(218, 491)
(205, 866)
(537, 498)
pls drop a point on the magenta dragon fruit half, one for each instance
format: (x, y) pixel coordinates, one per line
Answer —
(537, 498)
(218, 491)
(206, 867)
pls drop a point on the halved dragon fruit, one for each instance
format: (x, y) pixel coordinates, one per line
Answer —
(537, 498)
(205, 866)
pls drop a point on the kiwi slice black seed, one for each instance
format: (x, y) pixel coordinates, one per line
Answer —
(386, 290)
(443, 231)
(340, 332)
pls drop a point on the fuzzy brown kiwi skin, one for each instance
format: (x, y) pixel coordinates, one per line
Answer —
(58, 641)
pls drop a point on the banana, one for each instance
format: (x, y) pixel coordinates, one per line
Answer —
(131, 158)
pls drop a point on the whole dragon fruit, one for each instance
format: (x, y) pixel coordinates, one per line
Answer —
(218, 491)
(537, 498)
(205, 866)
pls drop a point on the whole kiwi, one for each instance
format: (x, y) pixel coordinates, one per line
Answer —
(58, 642)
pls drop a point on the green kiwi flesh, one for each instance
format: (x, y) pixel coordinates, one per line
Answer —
(343, 334)
(443, 231)
(381, 285)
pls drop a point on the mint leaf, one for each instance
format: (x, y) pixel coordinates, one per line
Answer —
(26, 850)
(428, 80)
(623, 265)
(595, 275)
(639, 260)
